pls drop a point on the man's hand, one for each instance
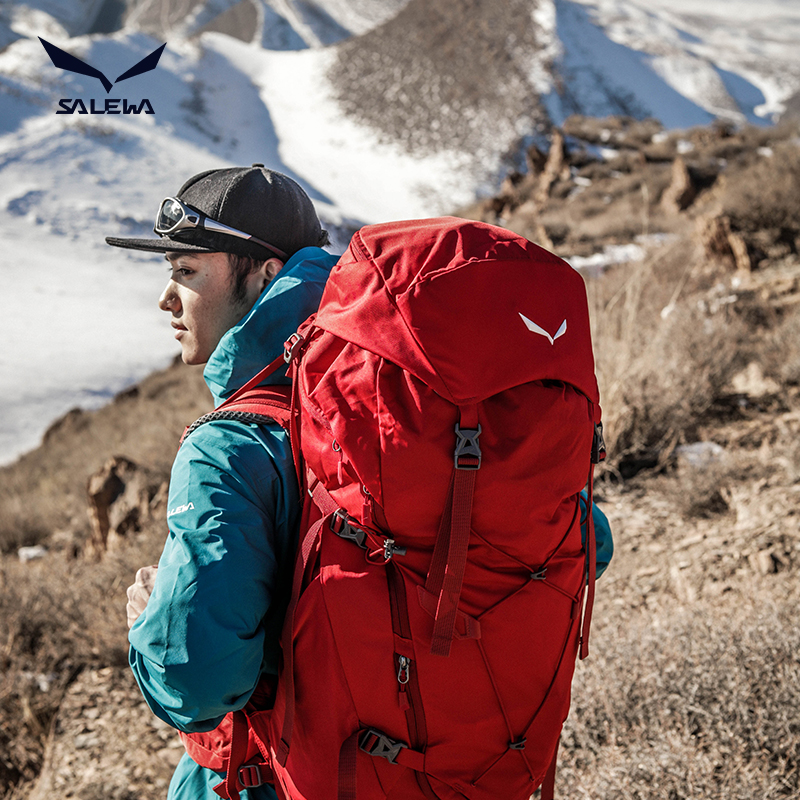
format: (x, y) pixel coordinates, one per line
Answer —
(139, 593)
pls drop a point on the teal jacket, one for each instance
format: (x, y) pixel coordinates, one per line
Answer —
(212, 625)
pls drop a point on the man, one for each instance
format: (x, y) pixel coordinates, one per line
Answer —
(246, 268)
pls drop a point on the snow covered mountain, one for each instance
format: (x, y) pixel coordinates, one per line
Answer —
(437, 92)
(381, 108)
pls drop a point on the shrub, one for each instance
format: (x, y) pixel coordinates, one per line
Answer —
(689, 702)
(56, 618)
(766, 195)
(662, 359)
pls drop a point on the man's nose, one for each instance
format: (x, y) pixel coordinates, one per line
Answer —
(169, 298)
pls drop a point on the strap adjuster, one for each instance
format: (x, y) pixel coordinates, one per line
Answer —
(290, 347)
(340, 525)
(598, 444)
(467, 448)
(250, 775)
(391, 549)
(379, 745)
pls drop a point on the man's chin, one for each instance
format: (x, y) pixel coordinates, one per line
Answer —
(192, 359)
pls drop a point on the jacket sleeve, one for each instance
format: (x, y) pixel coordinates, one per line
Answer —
(604, 543)
(201, 645)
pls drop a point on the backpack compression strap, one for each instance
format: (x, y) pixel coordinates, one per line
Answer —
(598, 455)
(446, 573)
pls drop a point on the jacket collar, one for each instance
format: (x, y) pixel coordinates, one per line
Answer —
(249, 346)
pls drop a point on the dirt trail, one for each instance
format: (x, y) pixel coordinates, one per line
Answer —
(106, 744)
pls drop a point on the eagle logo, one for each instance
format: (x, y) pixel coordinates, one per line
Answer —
(532, 326)
(70, 63)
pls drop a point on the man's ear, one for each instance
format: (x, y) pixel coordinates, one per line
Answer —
(269, 269)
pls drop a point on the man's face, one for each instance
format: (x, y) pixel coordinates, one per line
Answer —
(199, 296)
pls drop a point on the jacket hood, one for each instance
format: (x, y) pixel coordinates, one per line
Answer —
(291, 297)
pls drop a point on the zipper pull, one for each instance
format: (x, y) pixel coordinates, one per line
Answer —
(366, 507)
(337, 448)
(404, 668)
(403, 675)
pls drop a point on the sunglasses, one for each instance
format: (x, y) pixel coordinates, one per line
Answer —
(174, 216)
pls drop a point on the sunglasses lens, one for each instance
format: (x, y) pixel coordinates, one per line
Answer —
(169, 215)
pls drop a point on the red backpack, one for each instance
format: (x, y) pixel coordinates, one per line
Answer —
(444, 419)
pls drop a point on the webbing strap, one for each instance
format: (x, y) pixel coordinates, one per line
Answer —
(446, 573)
(591, 559)
(412, 759)
(229, 788)
(378, 745)
(348, 755)
(441, 547)
(266, 372)
(293, 428)
(549, 782)
(327, 506)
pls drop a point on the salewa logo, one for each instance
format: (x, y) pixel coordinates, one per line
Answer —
(180, 510)
(69, 63)
(532, 326)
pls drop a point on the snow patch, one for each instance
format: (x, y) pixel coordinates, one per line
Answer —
(596, 263)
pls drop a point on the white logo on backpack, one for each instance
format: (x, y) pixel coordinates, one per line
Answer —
(180, 510)
(532, 326)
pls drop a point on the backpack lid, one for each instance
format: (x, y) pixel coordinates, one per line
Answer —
(469, 308)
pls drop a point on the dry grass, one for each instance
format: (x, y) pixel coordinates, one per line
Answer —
(57, 617)
(662, 358)
(762, 205)
(689, 702)
(61, 615)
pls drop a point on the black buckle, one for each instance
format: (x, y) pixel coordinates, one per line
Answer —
(467, 447)
(379, 745)
(340, 525)
(250, 776)
(520, 745)
(598, 444)
(539, 575)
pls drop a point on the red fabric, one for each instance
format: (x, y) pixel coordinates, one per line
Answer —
(212, 749)
(420, 320)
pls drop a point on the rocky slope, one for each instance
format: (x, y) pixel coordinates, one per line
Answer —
(689, 244)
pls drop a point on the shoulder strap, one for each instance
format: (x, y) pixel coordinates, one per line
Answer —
(253, 403)
(260, 404)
